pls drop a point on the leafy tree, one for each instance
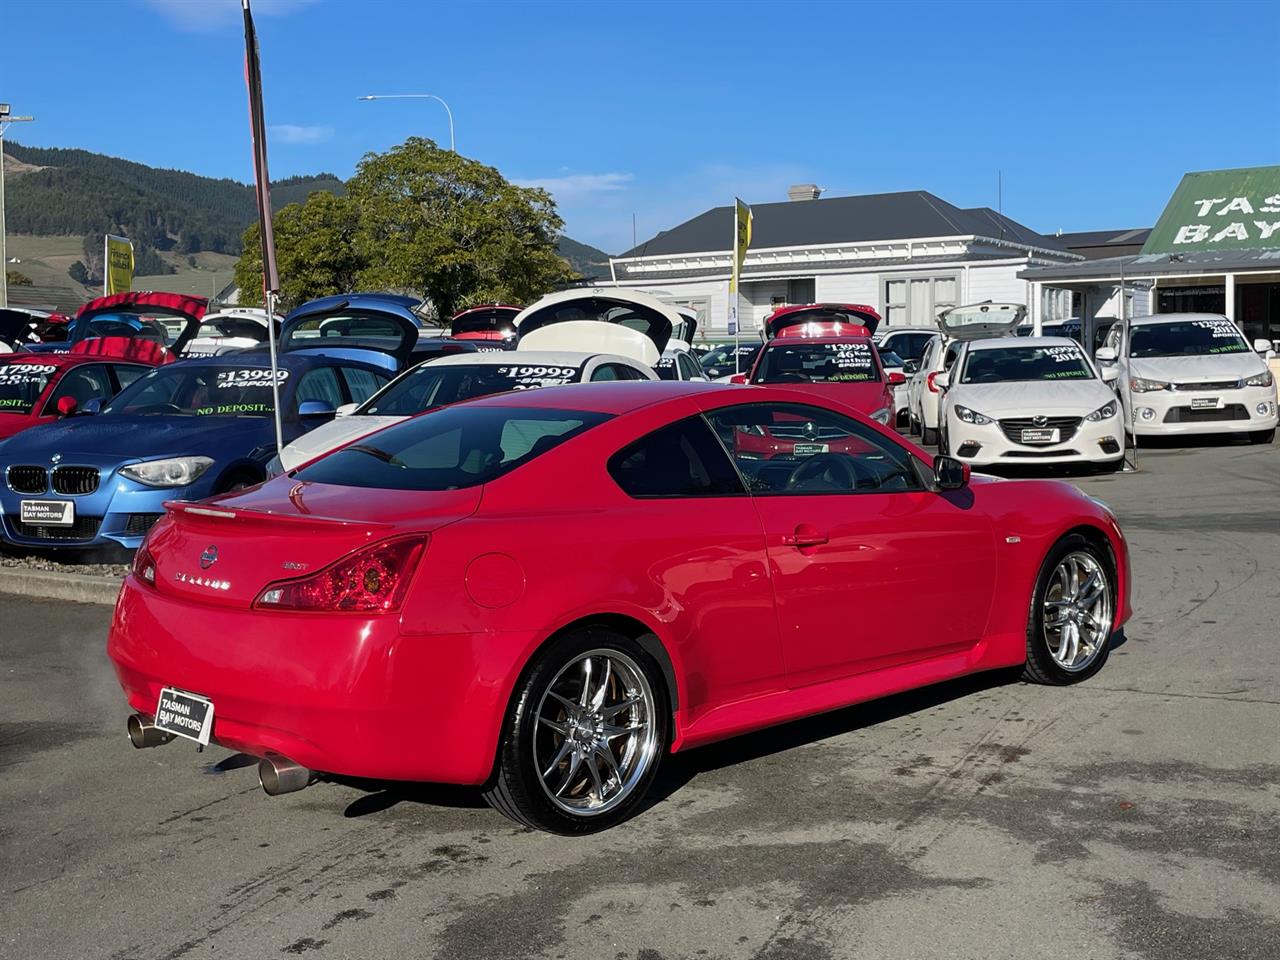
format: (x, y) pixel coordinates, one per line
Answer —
(17, 278)
(417, 219)
(79, 273)
(453, 229)
(315, 252)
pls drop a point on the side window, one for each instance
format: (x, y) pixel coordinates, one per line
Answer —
(615, 371)
(949, 358)
(690, 367)
(603, 372)
(682, 459)
(126, 373)
(362, 384)
(1113, 337)
(90, 382)
(320, 384)
(787, 448)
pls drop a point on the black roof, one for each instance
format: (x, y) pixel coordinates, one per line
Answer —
(1202, 262)
(1134, 236)
(863, 219)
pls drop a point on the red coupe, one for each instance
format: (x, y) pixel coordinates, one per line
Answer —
(431, 604)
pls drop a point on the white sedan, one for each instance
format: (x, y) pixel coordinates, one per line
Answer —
(1191, 373)
(1029, 400)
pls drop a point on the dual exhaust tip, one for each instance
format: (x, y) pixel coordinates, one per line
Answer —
(277, 775)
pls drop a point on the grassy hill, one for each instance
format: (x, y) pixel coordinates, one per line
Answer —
(185, 228)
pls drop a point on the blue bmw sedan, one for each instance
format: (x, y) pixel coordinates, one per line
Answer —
(181, 432)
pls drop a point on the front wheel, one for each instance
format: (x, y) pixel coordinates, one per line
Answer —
(1262, 436)
(1072, 613)
(927, 434)
(584, 735)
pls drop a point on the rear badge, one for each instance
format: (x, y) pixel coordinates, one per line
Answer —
(209, 557)
(206, 582)
(291, 565)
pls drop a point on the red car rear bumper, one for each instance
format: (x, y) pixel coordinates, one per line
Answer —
(338, 694)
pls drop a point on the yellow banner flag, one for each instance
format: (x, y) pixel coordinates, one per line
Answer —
(117, 273)
(741, 240)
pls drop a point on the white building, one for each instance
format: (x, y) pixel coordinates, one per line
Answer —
(909, 255)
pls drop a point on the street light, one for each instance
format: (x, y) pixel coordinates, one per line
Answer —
(6, 118)
(418, 96)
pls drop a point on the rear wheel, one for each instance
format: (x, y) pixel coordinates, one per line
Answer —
(584, 735)
(1072, 612)
(1263, 436)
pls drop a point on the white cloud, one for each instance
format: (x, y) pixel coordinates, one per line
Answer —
(292, 133)
(203, 16)
(577, 186)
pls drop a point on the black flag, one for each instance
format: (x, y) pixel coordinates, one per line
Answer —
(262, 180)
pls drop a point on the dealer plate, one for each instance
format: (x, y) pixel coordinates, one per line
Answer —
(1040, 436)
(48, 513)
(185, 714)
(1206, 403)
(809, 449)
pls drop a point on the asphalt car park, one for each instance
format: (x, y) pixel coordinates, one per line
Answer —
(1133, 815)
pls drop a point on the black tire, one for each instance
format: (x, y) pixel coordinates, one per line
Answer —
(517, 789)
(1263, 436)
(238, 480)
(927, 434)
(1040, 666)
(944, 442)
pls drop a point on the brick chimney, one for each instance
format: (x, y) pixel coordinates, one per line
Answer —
(804, 191)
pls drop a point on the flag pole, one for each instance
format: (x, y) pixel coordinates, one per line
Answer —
(262, 185)
(733, 294)
(1130, 428)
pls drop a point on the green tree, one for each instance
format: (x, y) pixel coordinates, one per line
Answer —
(315, 252)
(452, 229)
(17, 278)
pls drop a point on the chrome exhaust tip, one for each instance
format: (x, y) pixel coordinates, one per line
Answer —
(279, 775)
(143, 733)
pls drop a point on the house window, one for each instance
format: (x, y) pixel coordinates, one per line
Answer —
(917, 301)
(802, 291)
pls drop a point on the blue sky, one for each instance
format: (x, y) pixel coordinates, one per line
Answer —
(662, 109)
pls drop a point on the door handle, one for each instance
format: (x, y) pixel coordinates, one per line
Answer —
(805, 536)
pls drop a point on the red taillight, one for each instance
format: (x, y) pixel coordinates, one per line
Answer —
(933, 388)
(374, 579)
(144, 566)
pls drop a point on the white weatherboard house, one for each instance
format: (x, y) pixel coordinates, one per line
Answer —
(909, 255)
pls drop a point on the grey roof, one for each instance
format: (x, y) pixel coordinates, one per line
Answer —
(863, 219)
(1159, 264)
(1133, 237)
(755, 271)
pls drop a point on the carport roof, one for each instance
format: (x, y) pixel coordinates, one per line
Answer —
(1155, 265)
(862, 219)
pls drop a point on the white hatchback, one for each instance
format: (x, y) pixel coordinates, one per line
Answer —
(1186, 373)
(1029, 400)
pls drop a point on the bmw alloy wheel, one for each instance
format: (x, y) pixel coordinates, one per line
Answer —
(1077, 612)
(596, 733)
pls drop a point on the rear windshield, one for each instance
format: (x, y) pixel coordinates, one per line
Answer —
(909, 346)
(163, 330)
(430, 386)
(1005, 364)
(21, 385)
(453, 448)
(194, 390)
(721, 358)
(818, 363)
(1186, 338)
(354, 328)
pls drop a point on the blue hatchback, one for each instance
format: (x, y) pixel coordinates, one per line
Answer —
(181, 432)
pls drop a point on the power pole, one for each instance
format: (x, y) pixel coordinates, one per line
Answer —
(6, 118)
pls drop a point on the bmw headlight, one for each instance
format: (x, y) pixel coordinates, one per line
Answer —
(1142, 385)
(174, 472)
(972, 416)
(274, 467)
(881, 415)
(1105, 412)
(1263, 379)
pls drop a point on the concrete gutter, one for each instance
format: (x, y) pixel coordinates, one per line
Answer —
(48, 585)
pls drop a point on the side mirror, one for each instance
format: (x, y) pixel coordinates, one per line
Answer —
(738, 378)
(309, 409)
(345, 410)
(949, 473)
(92, 408)
(1262, 345)
(911, 367)
(942, 380)
(1105, 355)
(896, 379)
(67, 406)
(1110, 373)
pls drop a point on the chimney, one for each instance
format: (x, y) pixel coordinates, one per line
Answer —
(804, 191)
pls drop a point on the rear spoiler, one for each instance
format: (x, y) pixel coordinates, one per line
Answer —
(265, 518)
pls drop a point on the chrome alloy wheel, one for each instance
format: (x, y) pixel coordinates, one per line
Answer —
(1077, 611)
(595, 732)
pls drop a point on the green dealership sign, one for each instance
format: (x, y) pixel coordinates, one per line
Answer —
(1221, 210)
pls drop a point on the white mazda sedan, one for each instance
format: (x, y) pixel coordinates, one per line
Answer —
(1185, 373)
(1029, 400)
